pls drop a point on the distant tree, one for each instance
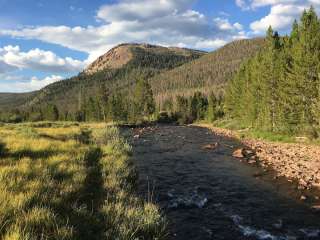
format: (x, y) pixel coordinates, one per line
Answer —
(144, 103)
(51, 113)
(199, 105)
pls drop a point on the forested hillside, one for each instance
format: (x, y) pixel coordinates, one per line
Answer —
(209, 73)
(279, 89)
(87, 93)
(134, 81)
(14, 100)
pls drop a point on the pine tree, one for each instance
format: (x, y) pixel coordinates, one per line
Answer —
(304, 72)
(212, 108)
(144, 103)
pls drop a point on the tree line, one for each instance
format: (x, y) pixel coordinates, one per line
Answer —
(104, 106)
(278, 90)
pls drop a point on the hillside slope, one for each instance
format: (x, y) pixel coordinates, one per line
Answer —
(172, 72)
(14, 100)
(117, 69)
(208, 73)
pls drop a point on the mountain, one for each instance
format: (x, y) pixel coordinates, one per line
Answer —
(171, 71)
(143, 55)
(208, 73)
(119, 68)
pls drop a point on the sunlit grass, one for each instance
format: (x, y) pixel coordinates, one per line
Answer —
(71, 181)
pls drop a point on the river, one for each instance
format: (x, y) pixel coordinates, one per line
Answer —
(208, 194)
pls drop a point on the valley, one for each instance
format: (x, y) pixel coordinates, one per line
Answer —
(152, 142)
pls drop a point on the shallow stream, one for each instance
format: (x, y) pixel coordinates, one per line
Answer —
(208, 194)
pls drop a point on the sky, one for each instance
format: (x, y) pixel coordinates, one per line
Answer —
(43, 41)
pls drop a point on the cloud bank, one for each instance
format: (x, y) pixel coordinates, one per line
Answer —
(163, 22)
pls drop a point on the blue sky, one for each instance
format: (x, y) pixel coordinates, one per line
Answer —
(46, 41)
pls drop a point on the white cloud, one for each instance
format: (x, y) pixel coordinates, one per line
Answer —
(224, 24)
(129, 10)
(280, 17)
(12, 57)
(262, 3)
(163, 22)
(253, 4)
(32, 85)
(209, 44)
(243, 4)
(282, 12)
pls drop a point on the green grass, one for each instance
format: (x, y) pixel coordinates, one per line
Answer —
(71, 182)
(244, 132)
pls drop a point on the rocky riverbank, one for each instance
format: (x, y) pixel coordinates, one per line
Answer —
(296, 161)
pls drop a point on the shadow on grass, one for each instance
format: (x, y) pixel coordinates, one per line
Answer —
(56, 138)
(3, 149)
(82, 208)
(32, 153)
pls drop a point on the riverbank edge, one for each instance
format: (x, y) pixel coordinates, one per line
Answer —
(298, 162)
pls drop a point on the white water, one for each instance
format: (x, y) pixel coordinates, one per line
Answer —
(261, 234)
(186, 200)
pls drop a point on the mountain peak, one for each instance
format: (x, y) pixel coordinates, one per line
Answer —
(122, 54)
(115, 58)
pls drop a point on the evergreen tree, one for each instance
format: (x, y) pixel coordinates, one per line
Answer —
(144, 104)
(279, 88)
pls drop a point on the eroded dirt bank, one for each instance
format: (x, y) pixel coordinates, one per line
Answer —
(295, 161)
(206, 193)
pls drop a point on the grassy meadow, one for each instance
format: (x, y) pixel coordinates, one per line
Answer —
(71, 181)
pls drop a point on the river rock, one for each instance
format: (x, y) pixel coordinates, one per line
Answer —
(303, 198)
(210, 146)
(252, 161)
(316, 207)
(238, 153)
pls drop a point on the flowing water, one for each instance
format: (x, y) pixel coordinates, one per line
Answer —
(208, 194)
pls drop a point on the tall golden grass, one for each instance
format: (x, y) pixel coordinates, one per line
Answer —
(71, 181)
